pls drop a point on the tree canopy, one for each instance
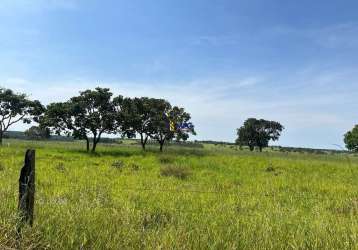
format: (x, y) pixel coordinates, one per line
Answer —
(15, 108)
(137, 117)
(351, 139)
(91, 114)
(96, 112)
(258, 133)
(166, 122)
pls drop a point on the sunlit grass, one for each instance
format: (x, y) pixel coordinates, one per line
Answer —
(119, 198)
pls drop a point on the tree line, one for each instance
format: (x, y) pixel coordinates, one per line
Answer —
(96, 112)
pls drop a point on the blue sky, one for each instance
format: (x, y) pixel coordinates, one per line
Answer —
(224, 61)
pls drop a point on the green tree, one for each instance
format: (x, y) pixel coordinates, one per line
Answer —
(62, 119)
(91, 114)
(351, 139)
(160, 122)
(182, 125)
(38, 133)
(258, 133)
(166, 121)
(247, 134)
(15, 108)
(96, 113)
(136, 117)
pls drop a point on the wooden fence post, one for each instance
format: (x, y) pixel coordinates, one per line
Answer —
(27, 189)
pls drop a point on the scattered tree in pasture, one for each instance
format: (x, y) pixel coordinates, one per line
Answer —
(351, 139)
(137, 118)
(182, 125)
(164, 116)
(62, 118)
(96, 113)
(91, 114)
(258, 133)
(38, 133)
(15, 108)
(160, 121)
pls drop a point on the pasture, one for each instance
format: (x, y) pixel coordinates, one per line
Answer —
(185, 198)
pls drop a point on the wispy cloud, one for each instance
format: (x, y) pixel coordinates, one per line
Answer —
(337, 36)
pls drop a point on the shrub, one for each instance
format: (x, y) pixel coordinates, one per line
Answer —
(175, 171)
(2, 167)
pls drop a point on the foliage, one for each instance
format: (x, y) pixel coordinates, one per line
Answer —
(258, 133)
(38, 133)
(15, 108)
(351, 139)
(163, 114)
(91, 114)
(137, 114)
(94, 113)
(151, 118)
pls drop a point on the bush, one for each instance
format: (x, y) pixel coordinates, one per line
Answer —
(175, 171)
(2, 168)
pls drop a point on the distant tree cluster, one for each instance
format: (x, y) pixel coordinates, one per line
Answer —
(258, 133)
(96, 112)
(38, 133)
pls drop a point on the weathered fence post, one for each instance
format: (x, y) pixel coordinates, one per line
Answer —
(27, 189)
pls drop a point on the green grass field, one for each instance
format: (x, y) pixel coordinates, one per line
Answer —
(211, 198)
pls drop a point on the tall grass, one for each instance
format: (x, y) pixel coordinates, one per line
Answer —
(120, 199)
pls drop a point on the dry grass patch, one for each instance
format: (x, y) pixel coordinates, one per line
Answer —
(175, 171)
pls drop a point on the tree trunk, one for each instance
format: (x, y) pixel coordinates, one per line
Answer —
(142, 141)
(96, 141)
(94, 144)
(87, 144)
(161, 146)
(260, 149)
(252, 148)
(94, 147)
(1, 136)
